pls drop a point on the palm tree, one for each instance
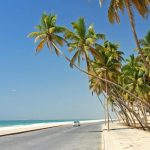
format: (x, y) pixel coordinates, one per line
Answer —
(107, 69)
(111, 64)
(140, 6)
(48, 33)
(83, 41)
(146, 41)
(135, 80)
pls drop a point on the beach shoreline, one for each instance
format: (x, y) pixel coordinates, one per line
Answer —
(10, 130)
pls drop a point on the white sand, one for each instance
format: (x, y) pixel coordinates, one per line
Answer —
(124, 138)
(26, 128)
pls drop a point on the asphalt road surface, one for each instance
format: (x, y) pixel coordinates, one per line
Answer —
(85, 137)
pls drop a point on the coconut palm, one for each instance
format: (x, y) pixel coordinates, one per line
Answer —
(48, 33)
(82, 41)
(146, 41)
(119, 5)
(135, 78)
(108, 69)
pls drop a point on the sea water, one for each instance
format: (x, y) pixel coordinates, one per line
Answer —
(7, 123)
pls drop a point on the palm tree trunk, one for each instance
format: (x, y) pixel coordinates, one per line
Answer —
(132, 117)
(104, 107)
(144, 116)
(136, 116)
(128, 121)
(130, 14)
(118, 116)
(122, 102)
(107, 102)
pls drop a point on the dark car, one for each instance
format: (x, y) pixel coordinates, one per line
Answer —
(76, 123)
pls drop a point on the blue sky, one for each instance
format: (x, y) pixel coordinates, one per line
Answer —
(43, 86)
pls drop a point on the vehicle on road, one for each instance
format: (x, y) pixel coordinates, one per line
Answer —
(76, 123)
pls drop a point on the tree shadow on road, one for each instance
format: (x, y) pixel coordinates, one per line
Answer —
(113, 129)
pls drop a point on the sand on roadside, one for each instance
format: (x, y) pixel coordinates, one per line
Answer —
(121, 137)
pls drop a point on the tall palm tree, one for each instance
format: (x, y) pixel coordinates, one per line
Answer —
(48, 33)
(146, 41)
(135, 78)
(142, 6)
(109, 68)
(145, 45)
(83, 41)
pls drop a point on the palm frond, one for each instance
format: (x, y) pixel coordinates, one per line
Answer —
(74, 58)
(58, 39)
(33, 34)
(101, 36)
(40, 45)
(39, 37)
(70, 35)
(80, 27)
(57, 51)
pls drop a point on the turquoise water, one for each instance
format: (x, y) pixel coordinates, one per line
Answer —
(6, 123)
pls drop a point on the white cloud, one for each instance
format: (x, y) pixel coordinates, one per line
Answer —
(13, 90)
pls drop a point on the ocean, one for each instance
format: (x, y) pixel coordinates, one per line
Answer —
(7, 123)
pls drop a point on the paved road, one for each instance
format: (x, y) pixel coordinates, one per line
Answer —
(85, 137)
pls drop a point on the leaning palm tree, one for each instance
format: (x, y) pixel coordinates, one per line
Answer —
(119, 5)
(83, 41)
(107, 69)
(135, 80)
(110, 67)
(145, 44)
(146, 41)
(48, 33)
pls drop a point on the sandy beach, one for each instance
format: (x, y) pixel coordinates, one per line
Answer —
(121, 137)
